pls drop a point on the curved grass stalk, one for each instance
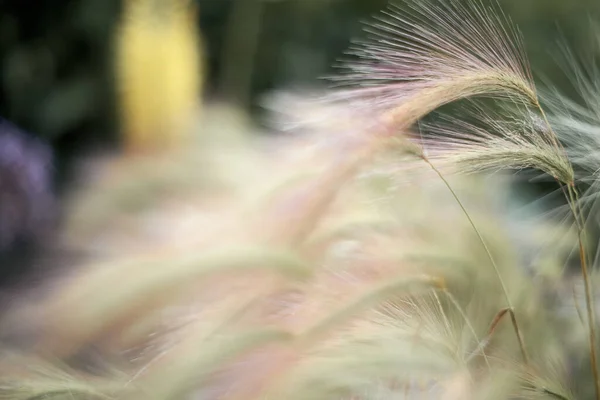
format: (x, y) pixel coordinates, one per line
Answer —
(591, 313)
(460, 87)
(511, 307)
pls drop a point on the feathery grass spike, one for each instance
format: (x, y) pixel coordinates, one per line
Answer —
(429, 53)
(188, 371)
(495, 141)
(143, 285)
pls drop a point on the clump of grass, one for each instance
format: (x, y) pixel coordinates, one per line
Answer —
(364, 320)
(330, 272)
(475, 55)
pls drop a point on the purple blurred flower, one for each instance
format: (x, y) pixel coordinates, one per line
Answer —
(26, 199)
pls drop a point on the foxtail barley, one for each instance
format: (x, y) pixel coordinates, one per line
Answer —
(430, 53)
(436, 53)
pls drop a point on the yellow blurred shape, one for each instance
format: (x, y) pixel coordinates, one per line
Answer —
(159, 70)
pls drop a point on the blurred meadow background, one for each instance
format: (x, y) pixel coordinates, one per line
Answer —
(299, 199)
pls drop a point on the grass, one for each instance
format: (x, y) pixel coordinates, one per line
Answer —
(362, 256)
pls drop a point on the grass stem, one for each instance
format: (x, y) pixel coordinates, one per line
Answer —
(491, 258)
(572, 198)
